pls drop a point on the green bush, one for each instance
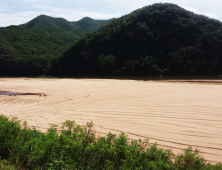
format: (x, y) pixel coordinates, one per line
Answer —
(78, 147)
(5, 165)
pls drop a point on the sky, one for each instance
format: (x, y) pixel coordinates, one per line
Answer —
(15, 12)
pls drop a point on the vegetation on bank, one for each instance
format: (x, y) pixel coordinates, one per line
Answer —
(79, 147)
(160, 39)
(46, 77)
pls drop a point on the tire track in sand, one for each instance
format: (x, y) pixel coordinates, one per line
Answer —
(175, 115)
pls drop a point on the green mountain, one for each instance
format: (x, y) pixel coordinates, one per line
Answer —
(161, 39)
(90, 24)
(47, 22)
(85, 24)
(29, 49)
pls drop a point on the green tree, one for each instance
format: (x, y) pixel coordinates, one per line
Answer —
(106, 63)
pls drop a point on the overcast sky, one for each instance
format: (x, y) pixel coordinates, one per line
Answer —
(15, 12)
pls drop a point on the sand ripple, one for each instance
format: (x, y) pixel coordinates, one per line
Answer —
(175, 115)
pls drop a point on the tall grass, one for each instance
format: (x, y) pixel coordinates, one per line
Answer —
(78, 147)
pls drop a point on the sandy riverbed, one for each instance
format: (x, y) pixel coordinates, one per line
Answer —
(173, 114)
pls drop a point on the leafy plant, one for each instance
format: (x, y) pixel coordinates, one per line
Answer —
(79, 147)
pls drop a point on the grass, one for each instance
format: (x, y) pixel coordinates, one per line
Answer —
(79, 147)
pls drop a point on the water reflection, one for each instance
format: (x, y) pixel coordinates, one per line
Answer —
(10, 94)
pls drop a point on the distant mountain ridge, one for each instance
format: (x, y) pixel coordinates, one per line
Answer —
(46, 22)
(90, 24)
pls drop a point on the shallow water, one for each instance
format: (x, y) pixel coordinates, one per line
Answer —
(10, 94)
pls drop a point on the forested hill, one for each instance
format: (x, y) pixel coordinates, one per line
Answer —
(28, 52)
(161, 39)
(86, 24)
(28, 49)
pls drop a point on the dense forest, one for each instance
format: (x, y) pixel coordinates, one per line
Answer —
(29, 49)
(161, 39)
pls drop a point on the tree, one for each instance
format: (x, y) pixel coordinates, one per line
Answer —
(106, 63)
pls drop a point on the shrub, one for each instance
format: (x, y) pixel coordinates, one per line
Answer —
(78, 147)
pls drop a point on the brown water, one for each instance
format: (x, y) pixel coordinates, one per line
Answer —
(173, 114)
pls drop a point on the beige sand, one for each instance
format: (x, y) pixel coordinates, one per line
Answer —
(175, 115)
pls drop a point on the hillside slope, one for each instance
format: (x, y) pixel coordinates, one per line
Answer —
(28, 49)
(161, 39)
